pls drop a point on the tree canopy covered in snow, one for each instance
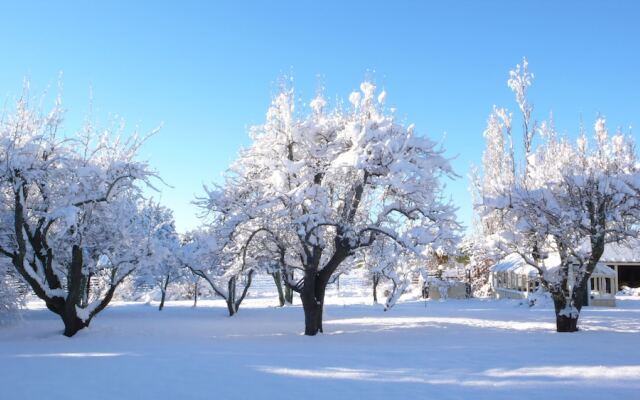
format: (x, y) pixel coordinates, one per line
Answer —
(569, 197)
(316, 187)
(319, 192)
(70, 211)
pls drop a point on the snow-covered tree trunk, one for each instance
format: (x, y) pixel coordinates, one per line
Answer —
(398, 288)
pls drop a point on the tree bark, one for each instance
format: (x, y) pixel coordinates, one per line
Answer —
(566, 323)
(162, 297)
(376, 280)
(288, 292)
(72, 324)
(195, 292)
(315, 285)
(75, 280)
(163, 290)
(311, 304)
(232, 299)
(231, 307)
(277, 279)
(231, 296)
(567, 311)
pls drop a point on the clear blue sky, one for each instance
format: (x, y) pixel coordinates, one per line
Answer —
(207, 70)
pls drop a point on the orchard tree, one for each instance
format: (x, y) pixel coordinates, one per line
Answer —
(69, 209)
(330, 182)
(161, 264)
(386, 260)
(481, 255)
(234, 244)
(570, 198)
(206, 255)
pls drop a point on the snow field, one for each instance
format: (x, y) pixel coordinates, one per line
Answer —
(466, 349)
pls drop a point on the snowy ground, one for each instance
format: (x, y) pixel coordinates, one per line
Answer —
(445, 350)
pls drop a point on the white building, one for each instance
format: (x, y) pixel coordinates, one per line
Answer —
(625, 260)
(513, 278)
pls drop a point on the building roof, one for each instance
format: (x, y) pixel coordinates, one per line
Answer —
(628, 252)
(516, 264)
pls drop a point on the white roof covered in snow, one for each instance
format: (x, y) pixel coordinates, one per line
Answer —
(628, 252)
(516, 264)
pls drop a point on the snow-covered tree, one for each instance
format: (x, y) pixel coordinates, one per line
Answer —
(388, 261)
(569, 199)
(481, 255)
(69, 210)
(230, 248)
(161, 264)
(329, 182)
(207, 255)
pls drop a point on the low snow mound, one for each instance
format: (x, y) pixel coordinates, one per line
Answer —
(540, 298)
(628, 291)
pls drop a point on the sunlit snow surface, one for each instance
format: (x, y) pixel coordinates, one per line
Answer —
(435, 350)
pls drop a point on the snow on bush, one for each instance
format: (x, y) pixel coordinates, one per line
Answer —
(12, 295)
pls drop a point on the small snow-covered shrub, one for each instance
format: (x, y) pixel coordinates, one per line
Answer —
(12, 298)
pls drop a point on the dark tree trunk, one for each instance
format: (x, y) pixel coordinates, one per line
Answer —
(277, 279)
(162, 297)
(231, 307)
(376, 280)
(312, 314)
(72, 324)
(567, 311)
(163, 290)
(566, 323)
(231, 296)
(195, 292)
(288, 292)
(75, 280)
(312, 302)
(315, 285)
(320, 291)
(232, 299)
